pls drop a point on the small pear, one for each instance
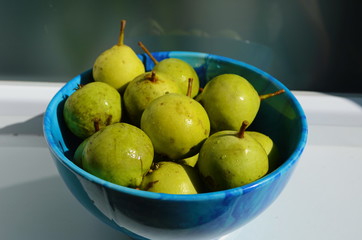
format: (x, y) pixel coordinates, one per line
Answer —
(270, 148)
(118, 65)
(172, 178)
(144, 89)
(228, 100)
(178, 70)
(230, 159)
(176, 124)
(91, 108)
(119, 153)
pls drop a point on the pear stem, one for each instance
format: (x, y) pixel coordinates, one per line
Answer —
(109, 120)
(121, 34)
(79, 86)
(268, 95)
(147, 52)
(96, 124)
(241, 132)
(152, 78)
(189, 87)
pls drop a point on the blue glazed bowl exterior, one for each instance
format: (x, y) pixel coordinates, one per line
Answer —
(147, 215)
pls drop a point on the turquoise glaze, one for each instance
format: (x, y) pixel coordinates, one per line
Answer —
(147, 215)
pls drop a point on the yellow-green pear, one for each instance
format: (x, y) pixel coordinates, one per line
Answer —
(92, 107)
(144, 89)
(172, 178)
(230, 159)
(176, 124)
(119, 153)
(229, 99)
(270, 148)
(178, 70)
(118, 65)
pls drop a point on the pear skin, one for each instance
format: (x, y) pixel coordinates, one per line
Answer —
(172, 178)
(176, 124)
(120, 153)
(180, 71)
(142, 90)
(270, 148)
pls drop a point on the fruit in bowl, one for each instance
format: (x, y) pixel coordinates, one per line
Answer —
(207, 215)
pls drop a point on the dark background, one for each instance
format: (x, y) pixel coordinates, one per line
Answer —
(306, 44)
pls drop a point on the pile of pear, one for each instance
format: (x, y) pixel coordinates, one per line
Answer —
(159, 131)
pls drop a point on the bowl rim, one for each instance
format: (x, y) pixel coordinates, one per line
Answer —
(283, 168)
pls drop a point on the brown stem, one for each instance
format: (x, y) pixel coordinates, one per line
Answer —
(96, 124)
(268, 95)
(109, 120)
(152, 78)
(189, 87)
(121, 34)
(79, 86)
(241, 132)
(147, 52)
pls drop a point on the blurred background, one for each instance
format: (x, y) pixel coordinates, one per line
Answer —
(306, 44)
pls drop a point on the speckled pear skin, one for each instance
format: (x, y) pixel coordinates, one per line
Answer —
(149, 215)
(229, 99)
(228, 161)
(142, 90)
(270, 148)
(180, 72)
(120, 153)
(176, 124)
(92, 107)
(172, 178)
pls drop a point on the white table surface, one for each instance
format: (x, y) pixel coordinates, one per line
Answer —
(323, 199)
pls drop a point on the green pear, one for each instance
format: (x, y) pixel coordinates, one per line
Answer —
(120, 153)
(118, 65)
(176, 124)
(270, 148)
(230, 159)
(142, 90)
(178, 70)
(189, 161)
(172, 178)
(229, 99)
(78, 154)
(92, 107)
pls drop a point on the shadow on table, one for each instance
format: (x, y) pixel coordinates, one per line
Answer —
(43, 209)
(353, 97)
(33, 126)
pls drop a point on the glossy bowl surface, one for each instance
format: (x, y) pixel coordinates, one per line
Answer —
(147, 215)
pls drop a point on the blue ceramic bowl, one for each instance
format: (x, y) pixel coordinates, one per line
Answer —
(147, 215)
